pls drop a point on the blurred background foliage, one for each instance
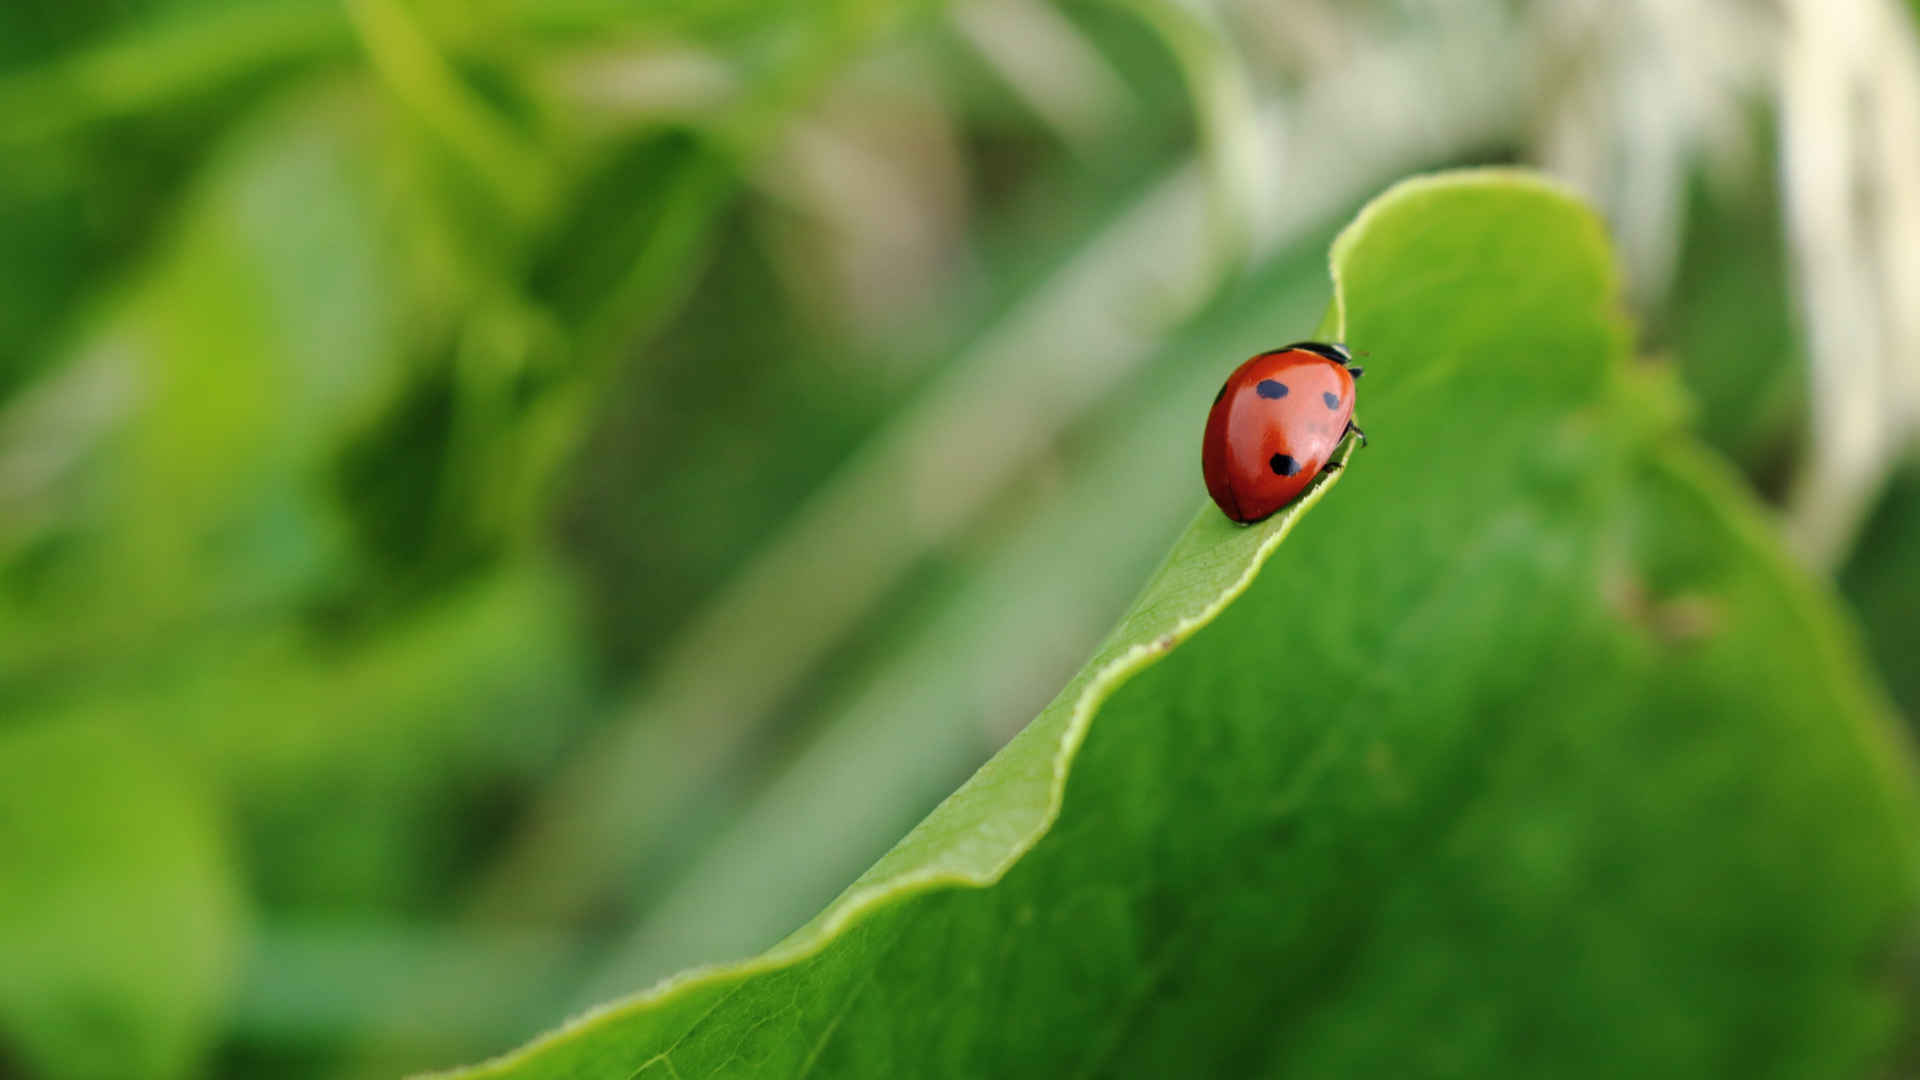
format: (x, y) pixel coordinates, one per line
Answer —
(501, 501)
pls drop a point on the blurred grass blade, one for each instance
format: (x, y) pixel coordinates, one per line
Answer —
(1233, 152)
(1048, 63)
(158, 66)
(410, 62)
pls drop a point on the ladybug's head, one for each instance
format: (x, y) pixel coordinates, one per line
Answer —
(1333, 351)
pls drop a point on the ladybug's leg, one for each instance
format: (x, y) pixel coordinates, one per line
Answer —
(1355, 428)
(1329, 466)
(1356, 371)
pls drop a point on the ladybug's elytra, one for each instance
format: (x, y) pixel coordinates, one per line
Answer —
(1275, 426)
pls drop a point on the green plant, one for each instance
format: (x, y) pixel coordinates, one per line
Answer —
(1522, 750)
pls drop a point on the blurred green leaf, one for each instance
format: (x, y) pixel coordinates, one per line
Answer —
(119, 910)
(217, 387)
(200, 567)
(1882, 580)
(1528, 752)
(1731, 324)
(367, 770)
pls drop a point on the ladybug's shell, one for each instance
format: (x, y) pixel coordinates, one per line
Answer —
(1272, 429)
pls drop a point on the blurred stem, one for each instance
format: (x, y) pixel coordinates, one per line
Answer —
(1232, 144)
(634, 309)
(407, 58)
(684, 211)
(150, 69)
(661, 273)
(1045, 60)
(154, 66)
(818, 50)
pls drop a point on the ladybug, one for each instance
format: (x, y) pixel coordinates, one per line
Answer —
(1275, 425)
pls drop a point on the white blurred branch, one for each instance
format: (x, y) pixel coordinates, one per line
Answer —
(1049, 65)
(1850, 153)
(1643, 92)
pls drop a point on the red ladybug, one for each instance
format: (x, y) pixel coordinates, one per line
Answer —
(1275, 425)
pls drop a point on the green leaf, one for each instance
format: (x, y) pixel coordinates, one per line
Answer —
(1732, 327)
(211, 395)
(1526, 752)
(119, 908)
(1882, 580)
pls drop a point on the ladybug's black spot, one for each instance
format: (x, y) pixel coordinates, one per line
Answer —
(1270, 389)
(1332, 399)
(1284, 464)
